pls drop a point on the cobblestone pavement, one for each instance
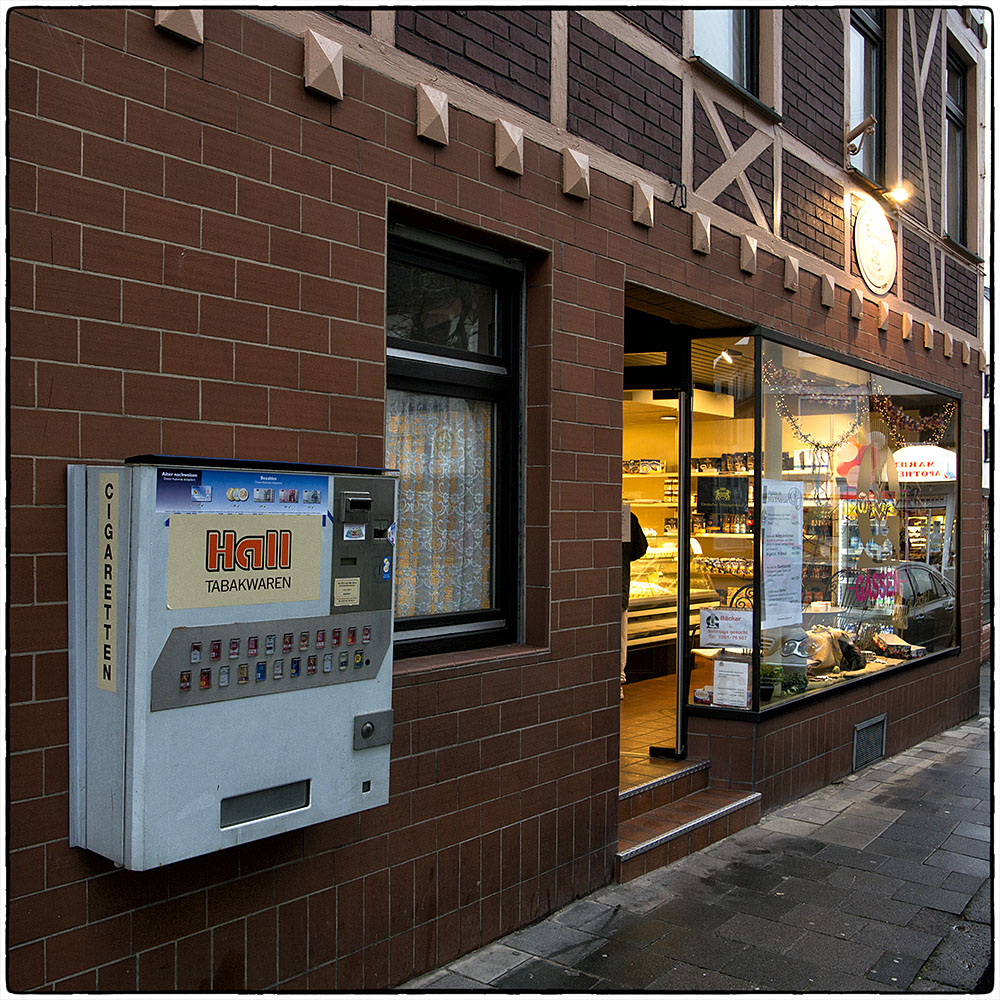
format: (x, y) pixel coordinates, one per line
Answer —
(880, 882)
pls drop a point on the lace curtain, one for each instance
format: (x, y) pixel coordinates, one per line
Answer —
(442, 447)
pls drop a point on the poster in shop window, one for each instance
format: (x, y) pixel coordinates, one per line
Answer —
(782, 553)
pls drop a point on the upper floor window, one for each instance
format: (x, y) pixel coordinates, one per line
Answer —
(453, 322)
(726, 39)
(867, 64)
(955, 151)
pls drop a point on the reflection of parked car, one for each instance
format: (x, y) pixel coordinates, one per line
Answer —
(916, 601)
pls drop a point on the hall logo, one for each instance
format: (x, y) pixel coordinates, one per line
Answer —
(225, 552)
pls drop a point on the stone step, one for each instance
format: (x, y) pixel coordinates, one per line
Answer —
(666, 833)
(682, 779)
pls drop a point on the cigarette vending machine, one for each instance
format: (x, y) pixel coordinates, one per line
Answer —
(230, 652)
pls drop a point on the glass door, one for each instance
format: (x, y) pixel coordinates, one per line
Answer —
(656, 625)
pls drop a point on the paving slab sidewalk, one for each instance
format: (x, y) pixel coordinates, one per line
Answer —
(880, 882)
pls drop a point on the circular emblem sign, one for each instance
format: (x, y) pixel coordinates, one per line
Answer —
(875, 247)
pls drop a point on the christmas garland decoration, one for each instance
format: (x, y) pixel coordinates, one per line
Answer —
(899, 422)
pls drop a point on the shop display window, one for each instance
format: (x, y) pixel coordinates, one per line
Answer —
(822, 511)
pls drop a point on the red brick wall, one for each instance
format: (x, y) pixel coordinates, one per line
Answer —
(196, 266)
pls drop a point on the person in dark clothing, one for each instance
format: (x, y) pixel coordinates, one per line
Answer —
(634, 548)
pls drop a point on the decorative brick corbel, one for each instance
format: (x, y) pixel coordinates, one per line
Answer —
(883, 315)
(928, 337)
(576, 173)
(907, 323)
(966, 353)
(949, 344)
(701, 233)
(791, 274)
(432, 114)
(748, 254)
(857, 303)
(324, 65)
(982, 362)
(827, 291)
(642, 204)
(186, 22)
(509, 147)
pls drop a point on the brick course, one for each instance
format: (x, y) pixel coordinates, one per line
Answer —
(813, 210)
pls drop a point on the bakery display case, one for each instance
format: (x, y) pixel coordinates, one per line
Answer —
(652, 609)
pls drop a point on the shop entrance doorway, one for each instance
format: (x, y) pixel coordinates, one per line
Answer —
(655, 488)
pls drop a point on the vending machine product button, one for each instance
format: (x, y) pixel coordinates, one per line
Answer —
(343, 661)
(327, 662)
(366, 634)
(359, 658)
(224, 676)
(320, 638)
(252, 646)
(295, 667)
(269, 645)
(311, 664)
(352, 635)
(185, 680)
(215, 650)
(262, 670)
(303, 641)
(243, 673)
(335, 637)
(234, 649)
(206, 678)
(286, 642)
(196, 652)
(279, 669)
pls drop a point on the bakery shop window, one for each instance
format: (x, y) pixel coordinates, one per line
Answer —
(452, 418)
(848, 509)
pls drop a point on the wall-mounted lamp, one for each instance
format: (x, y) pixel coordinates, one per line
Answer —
(866, 128)
(900, 193)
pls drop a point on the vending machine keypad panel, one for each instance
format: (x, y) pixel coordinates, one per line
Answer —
(267, 657)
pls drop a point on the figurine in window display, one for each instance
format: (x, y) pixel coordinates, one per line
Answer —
(634, 548)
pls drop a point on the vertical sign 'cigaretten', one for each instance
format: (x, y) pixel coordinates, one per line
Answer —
(107, 604)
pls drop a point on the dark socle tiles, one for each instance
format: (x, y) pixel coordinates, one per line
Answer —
(623, 964)
(681, 977)
(538, 974)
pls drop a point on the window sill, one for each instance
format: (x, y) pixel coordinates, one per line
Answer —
(717, 76)
(869, 182)
(962, 250)
(512, 654)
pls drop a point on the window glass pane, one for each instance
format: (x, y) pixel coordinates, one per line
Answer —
(720, 39)
(432, 307)
(721, 521)
(443, 449)
(955, 181)
(956, 84)
(859, 504)
(864, 95)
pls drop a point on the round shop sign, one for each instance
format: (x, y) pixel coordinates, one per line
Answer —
(875, 247)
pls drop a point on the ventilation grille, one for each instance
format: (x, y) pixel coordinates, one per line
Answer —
(869, 742)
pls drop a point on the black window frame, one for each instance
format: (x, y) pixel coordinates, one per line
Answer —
(869, 22)
(751, 54)
(956, 114)
(492, 377)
